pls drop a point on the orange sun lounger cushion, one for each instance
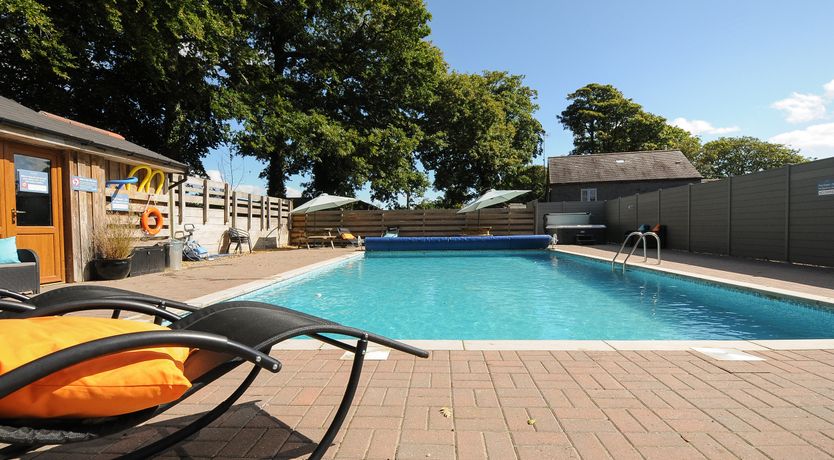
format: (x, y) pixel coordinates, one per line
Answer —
(110, 385)
(347, 236)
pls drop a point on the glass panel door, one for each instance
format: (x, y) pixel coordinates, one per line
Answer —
(33, 191)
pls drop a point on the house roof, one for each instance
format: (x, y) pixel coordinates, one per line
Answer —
(621, 167)
(14, 114)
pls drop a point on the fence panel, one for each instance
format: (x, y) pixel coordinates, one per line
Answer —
(674, 214)
(416, 222)
(628, 216)
(213, 208)
(612, 221)
(758, 215)
(709, 217)
(811, 232)
(647, 208)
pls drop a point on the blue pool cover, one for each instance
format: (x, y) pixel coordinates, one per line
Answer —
(459, 243)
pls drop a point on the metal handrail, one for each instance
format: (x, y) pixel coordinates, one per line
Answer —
(614, 260)
(657, 239)
(641, 236)
(633, 248)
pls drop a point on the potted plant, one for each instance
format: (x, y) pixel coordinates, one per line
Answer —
(113, 246)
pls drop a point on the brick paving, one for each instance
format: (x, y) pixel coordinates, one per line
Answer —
(517, 405)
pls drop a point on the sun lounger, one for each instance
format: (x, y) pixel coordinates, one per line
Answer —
(82, 294)
(346, 237)
(225, 334)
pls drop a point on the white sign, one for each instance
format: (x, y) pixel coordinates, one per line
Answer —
(32, 181)
(120, 202)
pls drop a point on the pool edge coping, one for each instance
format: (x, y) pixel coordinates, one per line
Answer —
(786, 294)
(252, 286)
(542, 345)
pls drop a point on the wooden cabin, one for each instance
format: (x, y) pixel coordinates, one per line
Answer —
(54, 190)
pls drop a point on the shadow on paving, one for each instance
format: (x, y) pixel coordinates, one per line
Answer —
(244, 431)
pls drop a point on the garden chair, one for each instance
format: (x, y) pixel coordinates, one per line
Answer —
(239, 236)
(225, 334)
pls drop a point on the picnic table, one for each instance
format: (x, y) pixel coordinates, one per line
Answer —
(321, 237)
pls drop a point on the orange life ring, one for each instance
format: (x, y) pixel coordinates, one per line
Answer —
(151, 211)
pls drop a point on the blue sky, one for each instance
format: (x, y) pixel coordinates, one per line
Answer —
(737, 68)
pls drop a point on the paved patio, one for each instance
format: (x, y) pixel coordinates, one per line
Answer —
(199, 278)
(510, 404)
(524, 405)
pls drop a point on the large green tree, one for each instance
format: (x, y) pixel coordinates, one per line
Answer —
(736, 156)
(483, 133)
(336, 89)
(151, 71)
(603, 120)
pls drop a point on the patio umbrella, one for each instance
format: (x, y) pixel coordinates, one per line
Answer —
(323, 201)
(490, 198)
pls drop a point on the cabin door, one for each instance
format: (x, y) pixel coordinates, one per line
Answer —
(31, 205)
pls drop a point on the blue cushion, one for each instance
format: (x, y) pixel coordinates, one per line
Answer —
(8, 251)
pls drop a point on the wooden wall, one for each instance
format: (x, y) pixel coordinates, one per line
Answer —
(211, 206)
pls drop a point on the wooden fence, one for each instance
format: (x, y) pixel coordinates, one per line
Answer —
(416, 222)
(782, 214)
(213, 207)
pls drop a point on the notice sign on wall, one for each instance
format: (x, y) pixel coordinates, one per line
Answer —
(32, 181)
(84, 184)
(120, 202)
(825, 187)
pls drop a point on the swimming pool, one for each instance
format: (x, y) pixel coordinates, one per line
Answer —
(535, 295)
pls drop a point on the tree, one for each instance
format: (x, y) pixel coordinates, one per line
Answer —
(672, 137)
(150, 71)
(527, 177)
(603, 120)
(484, 133)
(336, 89)
(736, 156)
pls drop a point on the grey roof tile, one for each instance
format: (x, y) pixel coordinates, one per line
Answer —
(621, 167)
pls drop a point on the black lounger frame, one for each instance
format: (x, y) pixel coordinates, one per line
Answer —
(258, 355)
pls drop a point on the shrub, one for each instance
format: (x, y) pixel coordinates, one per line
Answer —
(113, 237)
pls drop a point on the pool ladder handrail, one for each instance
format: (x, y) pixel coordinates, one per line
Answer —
(641, 236)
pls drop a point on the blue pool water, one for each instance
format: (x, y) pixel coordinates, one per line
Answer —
(535, 295)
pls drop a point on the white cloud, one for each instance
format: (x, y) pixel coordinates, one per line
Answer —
(814, 141)
(829, 89)
(214, 174)
(249, 188)
(698, 127)
(802, 107)
(293, 192)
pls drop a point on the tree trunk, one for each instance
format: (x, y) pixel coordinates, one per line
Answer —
(276, 176)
